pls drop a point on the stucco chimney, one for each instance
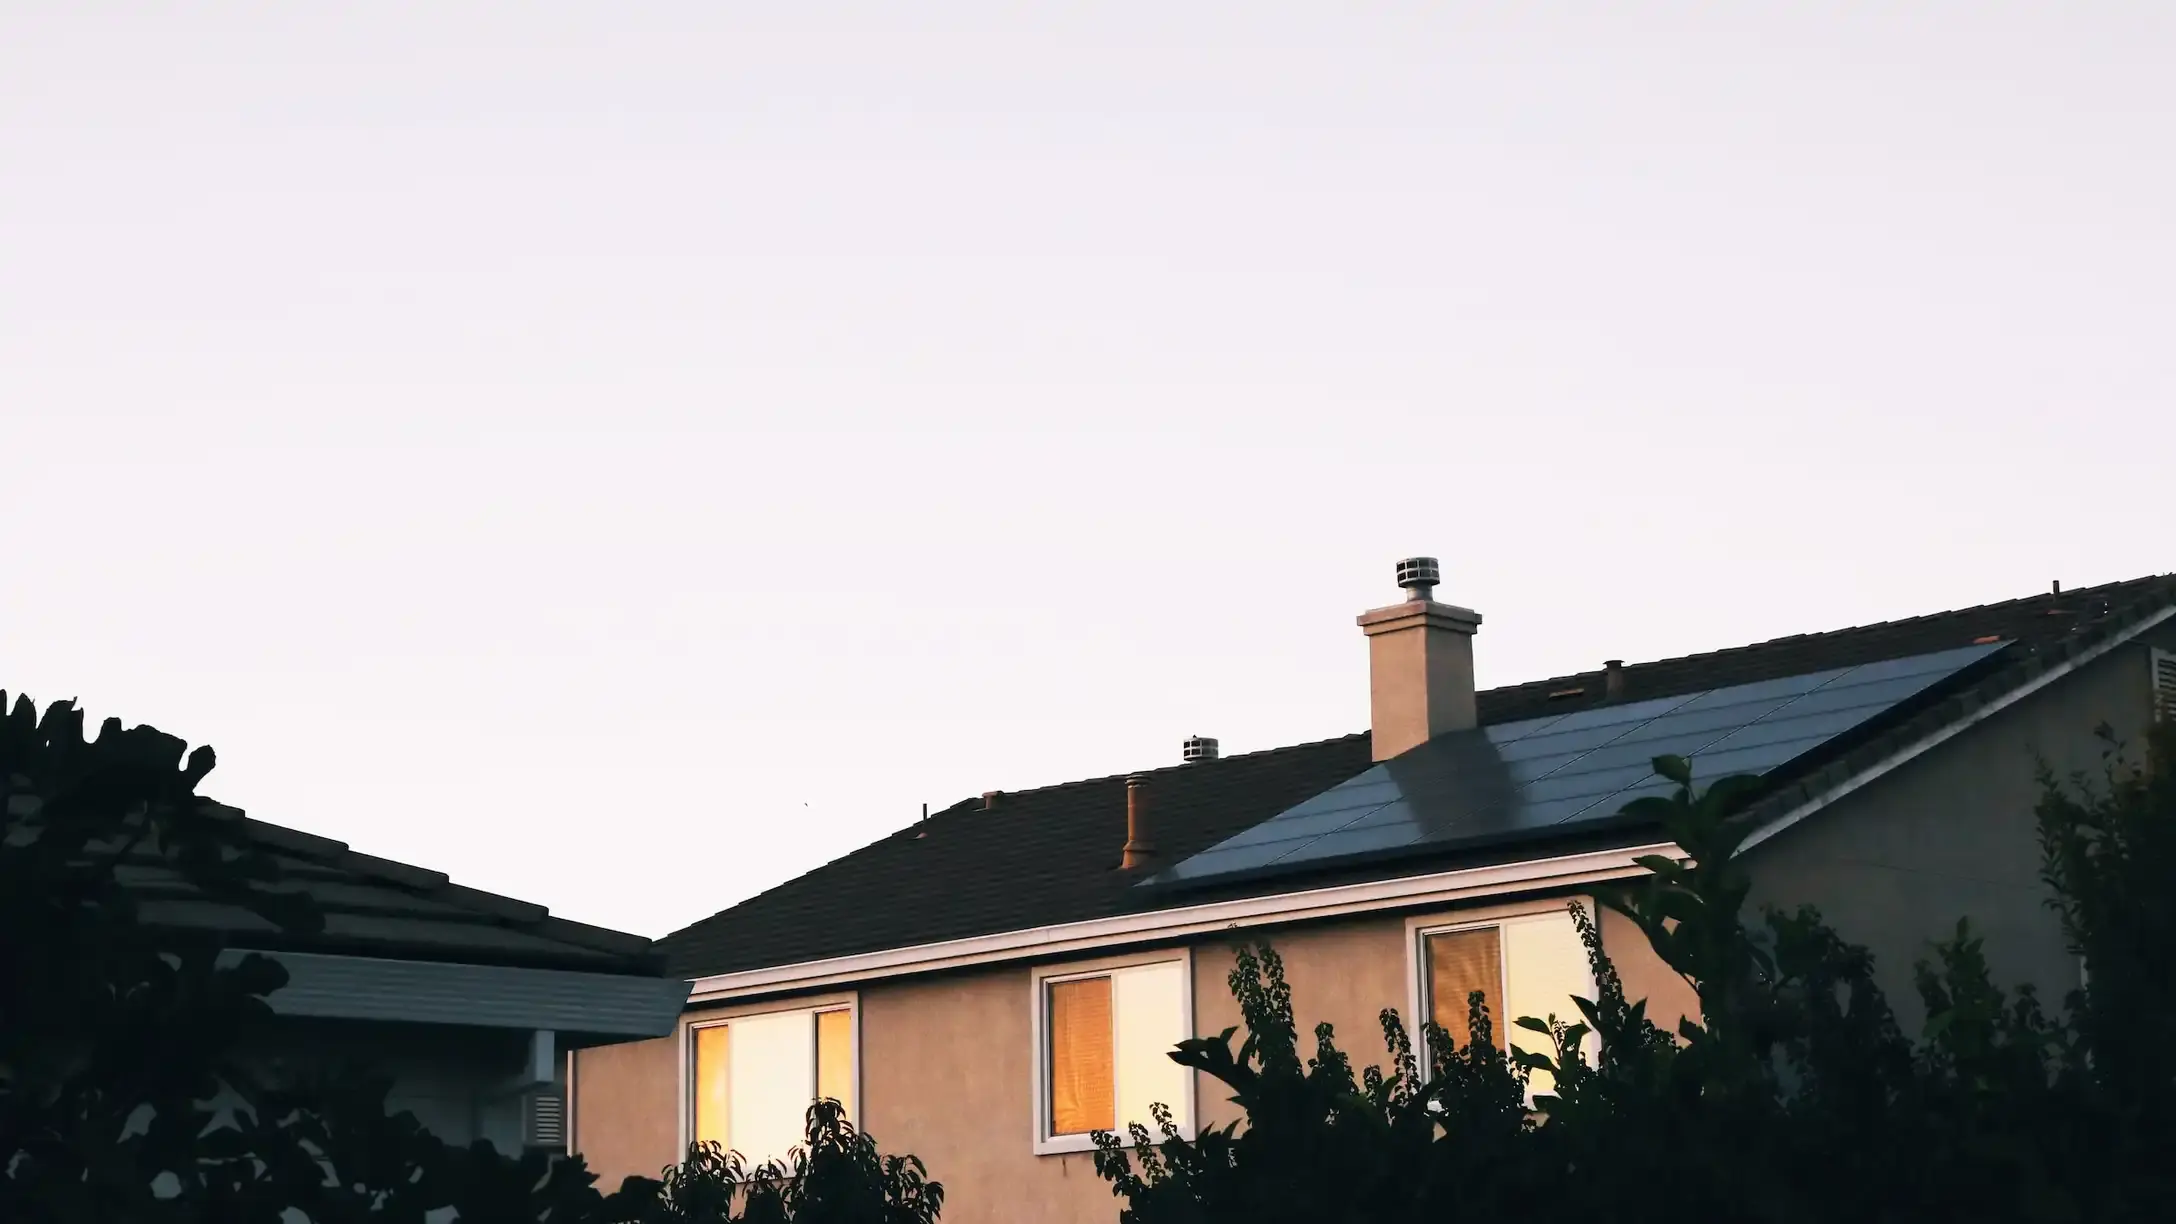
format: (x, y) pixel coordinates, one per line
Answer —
(1140, 833)
(1420, 664)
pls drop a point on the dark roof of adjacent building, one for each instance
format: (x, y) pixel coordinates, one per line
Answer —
(1050, 855)
(376, 907)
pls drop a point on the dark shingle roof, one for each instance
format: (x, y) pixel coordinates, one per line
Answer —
(377, 907)
(1049, 855)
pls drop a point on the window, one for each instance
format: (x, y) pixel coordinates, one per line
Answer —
(1528, 965)
(1103, 1040)
(752, 1078)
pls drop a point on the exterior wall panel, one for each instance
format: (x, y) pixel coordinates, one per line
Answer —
(1951, 835)
(626, 1108)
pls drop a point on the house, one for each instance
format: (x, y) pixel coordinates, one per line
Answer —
(471, 1003)
(986, 986)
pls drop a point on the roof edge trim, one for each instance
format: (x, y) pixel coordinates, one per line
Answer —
(1178, 922)
(605, 1006)
(1950, 730)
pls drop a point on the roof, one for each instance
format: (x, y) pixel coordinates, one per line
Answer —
(380, 908)
(1048, 856)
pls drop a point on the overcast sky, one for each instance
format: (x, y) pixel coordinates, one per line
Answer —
(625, 455)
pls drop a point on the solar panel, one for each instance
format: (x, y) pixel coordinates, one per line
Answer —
(1567, 769)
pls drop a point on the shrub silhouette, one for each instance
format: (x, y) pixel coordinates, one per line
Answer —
(1794, 1097)
(123, 1098)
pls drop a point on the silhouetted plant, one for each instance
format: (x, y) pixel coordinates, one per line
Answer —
(123, 1096)
(1794, 1096)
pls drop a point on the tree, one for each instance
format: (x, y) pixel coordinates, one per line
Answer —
(1794, 1097)
(122, 1098)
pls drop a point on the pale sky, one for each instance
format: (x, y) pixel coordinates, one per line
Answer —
(625, 455)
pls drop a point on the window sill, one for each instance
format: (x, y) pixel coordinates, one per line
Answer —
(1065, 1145)
(1073, 1145)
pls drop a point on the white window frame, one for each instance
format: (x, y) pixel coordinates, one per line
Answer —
(1419, 927)
(684, 1043)
(1039, 983)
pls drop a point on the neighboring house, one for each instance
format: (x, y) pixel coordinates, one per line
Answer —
(470, 1002)
(986, 986)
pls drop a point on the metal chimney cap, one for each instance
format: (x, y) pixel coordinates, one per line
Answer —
(1198, 748)
(1420, 575)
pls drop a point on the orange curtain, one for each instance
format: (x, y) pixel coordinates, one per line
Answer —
(1459, 963)
(835, 1058)
(1080, 1056)
(710, 1084)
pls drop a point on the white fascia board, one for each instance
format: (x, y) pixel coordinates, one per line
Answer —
(1123, 930)
(1921, 747)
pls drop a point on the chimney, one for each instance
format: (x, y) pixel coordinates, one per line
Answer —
(1140, 839)
(1613, 680)
(1198, 748)
(1420, 664)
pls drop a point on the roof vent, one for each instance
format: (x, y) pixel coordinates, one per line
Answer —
(1420, 575)
(1140, 848)
(544, 1120)
(1198, 748)
(989, 800)
(1613, 679)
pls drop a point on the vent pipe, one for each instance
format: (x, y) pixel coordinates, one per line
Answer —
(1140, 848)
(1613, 680)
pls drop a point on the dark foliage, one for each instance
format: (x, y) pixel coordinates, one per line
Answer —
(123, 1098)
(1795, 1097)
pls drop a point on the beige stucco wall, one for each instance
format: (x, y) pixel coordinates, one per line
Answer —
(626, 1099)
(1951, 835)
(946, 1063)
(945, 1075)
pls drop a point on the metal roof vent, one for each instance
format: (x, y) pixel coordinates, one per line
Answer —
(1198, 748)
(1420, 575)
(544, 1120)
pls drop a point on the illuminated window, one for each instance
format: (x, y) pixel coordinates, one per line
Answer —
(1104, 1040)
(1526, 966)
(752, 1078)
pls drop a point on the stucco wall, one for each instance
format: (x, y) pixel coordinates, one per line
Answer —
(1894, 865)
(625, 1108)
(1670, 998)
(1343, 973)
(945, 1075)
(946, 1063)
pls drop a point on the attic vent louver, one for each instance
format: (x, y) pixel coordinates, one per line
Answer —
(544, 1120)
(2164, 686)
(1198, 748)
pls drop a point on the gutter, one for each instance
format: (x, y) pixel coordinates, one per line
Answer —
(1179, 922)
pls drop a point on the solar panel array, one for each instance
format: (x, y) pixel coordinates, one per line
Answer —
(1581, 767)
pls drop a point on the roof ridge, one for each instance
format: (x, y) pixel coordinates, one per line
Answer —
(1990, 688)
(1122, 775)
(2145, 581)
(961, 808)
(497, 908)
